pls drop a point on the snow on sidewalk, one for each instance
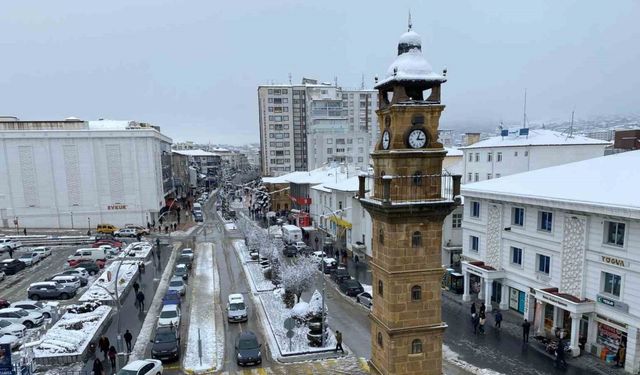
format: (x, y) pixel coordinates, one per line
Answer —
(202, 325)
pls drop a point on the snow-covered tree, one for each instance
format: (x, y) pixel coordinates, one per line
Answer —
(298, 276)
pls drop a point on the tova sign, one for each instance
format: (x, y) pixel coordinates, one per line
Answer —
(615, 261)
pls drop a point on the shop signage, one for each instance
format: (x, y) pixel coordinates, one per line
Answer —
(117, 207)
(474, 272)
(613, 303)
(615, 261)
(557, 301)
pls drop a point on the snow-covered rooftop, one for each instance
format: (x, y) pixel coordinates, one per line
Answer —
(197, 152)
(317, 176)
(453, 151)
(109, 124)
(536, 137)
(610, 182)
(349, 184)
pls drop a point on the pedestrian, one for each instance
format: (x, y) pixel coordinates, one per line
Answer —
(475, 321)
(11, 252)
(560, 362)
(136, 287)
(112, 356)
(339, 341)
(525, 331)
(24, 230)
(483, 309)
(473, 310)
(104, 346)
(138, 237)
(620, 355)
(482, 320)
(356, 260)
(337, 254)
(97, 367)
(498, 319)
(158, 243)
(166, 229)
(127, 339)
(148, 225)
(89, 233)
(140, 298)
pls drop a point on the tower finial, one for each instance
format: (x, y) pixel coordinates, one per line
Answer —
(410, 25)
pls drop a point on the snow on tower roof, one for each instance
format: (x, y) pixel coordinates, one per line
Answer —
(536, 137)
(609, 183)
(410, 37)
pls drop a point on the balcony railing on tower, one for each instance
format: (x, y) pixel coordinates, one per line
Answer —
(418, 188)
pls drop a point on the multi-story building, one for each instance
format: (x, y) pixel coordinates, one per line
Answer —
(525, 150)
(76, 174)
(207, 165)
(628, 139)
(305, 126)
(561, 246)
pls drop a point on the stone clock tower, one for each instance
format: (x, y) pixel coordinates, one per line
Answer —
(408, 199)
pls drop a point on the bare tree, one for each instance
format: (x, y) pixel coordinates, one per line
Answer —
(298, 276)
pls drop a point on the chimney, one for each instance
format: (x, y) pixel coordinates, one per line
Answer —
(471, 138)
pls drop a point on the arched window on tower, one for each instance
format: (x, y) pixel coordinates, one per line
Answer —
(380, 288)
(416, 293)
(381, 236)
(380, 339)
(416, 239)
(416, 346)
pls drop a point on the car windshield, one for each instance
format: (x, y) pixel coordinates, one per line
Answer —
(127, 372)
(236, 306)
(168, 314)
(4, 323)
(248, 344)
(176, 283)
(22, 313)
(165, 337)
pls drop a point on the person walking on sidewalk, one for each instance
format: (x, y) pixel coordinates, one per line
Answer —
(482, 321)
(525, 331)
(140, 298)
(560, 362)
(10, 252)
(128, 337)
(112, 356)
(97, 367)
(620, 355)
(475, 321)
(339, 342)
(104, 346)
(483, 309)
(498, 319)
(136, 287)
(473, 310)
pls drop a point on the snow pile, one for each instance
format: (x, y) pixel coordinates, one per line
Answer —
(72, 333)
(104, 290)
(300, 310)
(367, 288)
(315, 303)
(453, 358)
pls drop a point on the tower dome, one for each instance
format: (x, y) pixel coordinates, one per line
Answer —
(408, 41)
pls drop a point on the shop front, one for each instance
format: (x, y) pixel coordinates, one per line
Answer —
(480, 279)
(517, 300)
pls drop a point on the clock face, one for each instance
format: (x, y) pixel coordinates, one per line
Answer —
(386, 140)
(417, 138)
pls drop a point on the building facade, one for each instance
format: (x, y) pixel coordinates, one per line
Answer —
(77, 174)
(561, 246)
(302, 127)
(525, 150)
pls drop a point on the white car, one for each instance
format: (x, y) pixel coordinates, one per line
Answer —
(169, 316)
(187, 252)
(6, 243)
(300, 245)
(16, 315)
(110, 250)
(29, 258)
(15, 329)
(177, 284)
(142, 367)
(68, 280)
(45, 309)
(43, 251)
(13, 341)
(126, 232)
(79, 272)
(318, 255)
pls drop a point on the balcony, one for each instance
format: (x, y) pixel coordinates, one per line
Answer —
(404, 190)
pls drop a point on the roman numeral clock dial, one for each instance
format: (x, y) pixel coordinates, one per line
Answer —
(417, 138)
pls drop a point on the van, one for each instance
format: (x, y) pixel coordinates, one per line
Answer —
(236, 308)
(291, 234)
(106, 228)
(88, 255)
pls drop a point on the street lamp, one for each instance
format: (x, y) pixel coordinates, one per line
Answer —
(71, 213)
(89, 222)
(324, 287)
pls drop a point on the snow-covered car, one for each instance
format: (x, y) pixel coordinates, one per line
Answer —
(16, 315)
(49, 290)
(79, 272)
(177, 284)
(110, 250)
(299, 245)
(169, 316)
(45, 309)
(187, 252)
(29, 258)
(67, 280)
(236, 308)
(142, 367)
(12, 340)
(43, 251)
(365, 299)
(15, 329)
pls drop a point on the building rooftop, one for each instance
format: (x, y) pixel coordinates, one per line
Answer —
(193, 153)
(453, 151)
(609, 182)
(324, 175)
(536, 137)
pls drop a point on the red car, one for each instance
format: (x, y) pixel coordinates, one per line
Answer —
(4, 303)
(112, 243)
(73, 263)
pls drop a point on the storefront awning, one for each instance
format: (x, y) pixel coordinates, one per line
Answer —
(564, 301)
(483, 270)
(341, 222)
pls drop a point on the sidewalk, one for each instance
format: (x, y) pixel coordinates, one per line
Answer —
(511, 326)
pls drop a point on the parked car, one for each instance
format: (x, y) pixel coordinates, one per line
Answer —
(351, 287)
(170, 317)
(46, 310)
(50, 290)
(142, 367)
(11, 266)
(43, 251)
(166, 344)
(182, 271)
(318, 255)
(187, 252)
(290, 251)
(87, 255)
(4, 303)
(365, 299)
(106, 241)
(299, 245)
(15, 329)
(340, 274)
(177, 284)
(197, 217)
(8, 243)
(67, 280)
(106, 228)
(79, 272)
(330, 265)
(125, 232)
(187, 261)
(29, 258)
(139, 229)
(16, 315)
(110, 250)
(248, 349)
(91, 267)
(11, 340)
(171, 298)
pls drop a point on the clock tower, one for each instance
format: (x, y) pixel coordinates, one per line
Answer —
(408, 199)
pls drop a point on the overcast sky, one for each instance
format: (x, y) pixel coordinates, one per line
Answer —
(193, 67)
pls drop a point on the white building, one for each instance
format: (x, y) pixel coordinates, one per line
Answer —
(525, 150)
(561, 245)
(76, 174)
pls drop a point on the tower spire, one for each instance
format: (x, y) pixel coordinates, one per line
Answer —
(409, 23)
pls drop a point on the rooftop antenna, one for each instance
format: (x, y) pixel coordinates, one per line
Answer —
(409, 23)
(571, 126)
(290, 78)
(362, 82)
(524, 119)
(335, 80)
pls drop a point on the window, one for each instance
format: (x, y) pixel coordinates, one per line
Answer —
(499, 157)
(544, 263)
(489, 156)
(474, 243)
(416, 346)
(456, 220)
(517, 216)
(380, 288)
(489, 176)
(611, 284)
(471, 156)
(526, 153)
(470, 177)
(614, 233)
(498, 175)
(516, 255)
(476, 177)
(515, 154)
(329, 151)
(416, 239)
(360, 159)
(329, 141)
(416, 293)
(381, 236)
(380, 339)
(475, 209)
(477, 156)
(545, 221)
